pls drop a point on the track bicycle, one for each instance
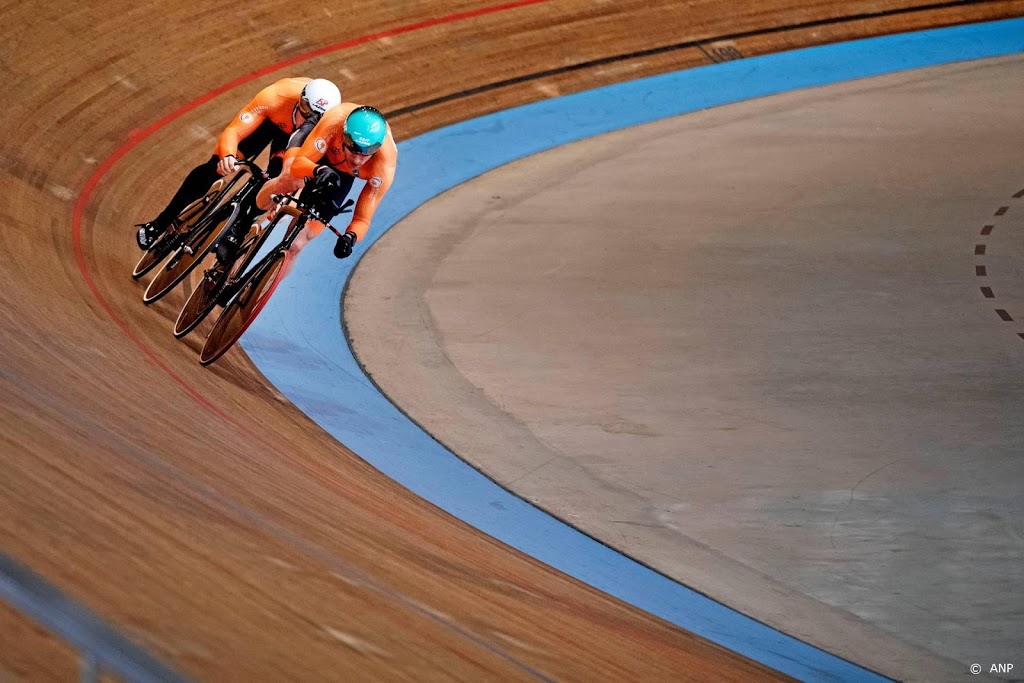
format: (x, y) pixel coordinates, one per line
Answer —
(220, 282)
(192, 217)
(249, 290)
(203, 237)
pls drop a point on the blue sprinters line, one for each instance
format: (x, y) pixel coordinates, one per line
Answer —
(298, 345)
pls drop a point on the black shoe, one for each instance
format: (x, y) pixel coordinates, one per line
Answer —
(148, 234)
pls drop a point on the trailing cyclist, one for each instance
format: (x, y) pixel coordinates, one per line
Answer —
(281, 115)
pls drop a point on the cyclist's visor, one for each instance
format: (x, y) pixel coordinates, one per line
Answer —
(352, 146)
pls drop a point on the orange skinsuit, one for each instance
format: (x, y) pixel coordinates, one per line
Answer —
(324, 146)
(278, 102)
(270, 119)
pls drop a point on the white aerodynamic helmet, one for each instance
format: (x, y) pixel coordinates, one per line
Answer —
(319, 95)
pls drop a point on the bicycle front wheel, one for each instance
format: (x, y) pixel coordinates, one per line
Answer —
(245, 306)
(190, 254)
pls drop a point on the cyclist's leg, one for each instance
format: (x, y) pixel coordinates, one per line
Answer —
(196, 183)
(328, 206)
(250, 147)
(293, 141)
(285, 184)
(276, 164)
(311, 230)
(283, 142)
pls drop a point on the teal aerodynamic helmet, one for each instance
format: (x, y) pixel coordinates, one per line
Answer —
(365, 130)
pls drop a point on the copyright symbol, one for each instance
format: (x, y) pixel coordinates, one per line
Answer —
(975, 668)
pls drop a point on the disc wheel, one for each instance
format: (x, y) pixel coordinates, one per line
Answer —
(244, 306)
(190, 254)
(211, 291)
(200, 302)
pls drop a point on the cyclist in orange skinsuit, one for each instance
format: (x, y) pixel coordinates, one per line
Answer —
(279, 115)
(350, 141)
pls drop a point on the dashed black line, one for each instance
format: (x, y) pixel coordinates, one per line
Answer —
(982, 270)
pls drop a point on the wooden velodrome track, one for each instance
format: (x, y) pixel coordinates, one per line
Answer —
(194, 508)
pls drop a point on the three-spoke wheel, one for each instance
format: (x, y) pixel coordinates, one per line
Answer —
(200, 302)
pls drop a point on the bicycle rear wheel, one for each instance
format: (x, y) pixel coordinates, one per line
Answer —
(245, 306)
(186, 221)
(163, 246)
(199, 304)
(209, 291)
(190, 254)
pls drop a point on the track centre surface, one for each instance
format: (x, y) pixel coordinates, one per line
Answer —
(764, 303)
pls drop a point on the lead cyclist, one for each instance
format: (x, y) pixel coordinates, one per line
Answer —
(350, 141)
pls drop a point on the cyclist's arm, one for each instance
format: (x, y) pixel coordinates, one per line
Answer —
(299, 164)
(382, 174)
(242, 126)
(282, 184)
(302, 161)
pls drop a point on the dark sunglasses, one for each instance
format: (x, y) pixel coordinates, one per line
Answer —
(351, 146)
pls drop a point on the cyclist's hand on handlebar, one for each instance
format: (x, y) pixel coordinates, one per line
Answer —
(275, 207)
(227, 165)
(325, 176)
(343, 247)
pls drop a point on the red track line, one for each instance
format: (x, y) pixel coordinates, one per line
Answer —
(137, 136)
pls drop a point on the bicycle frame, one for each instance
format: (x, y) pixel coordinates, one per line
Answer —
(241, 308)
(290, 206)
(193, 244)
(245, 197)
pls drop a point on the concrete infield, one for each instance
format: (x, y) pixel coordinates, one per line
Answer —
(751, 347)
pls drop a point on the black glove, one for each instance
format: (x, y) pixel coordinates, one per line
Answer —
(343, 247)
(325, 176)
